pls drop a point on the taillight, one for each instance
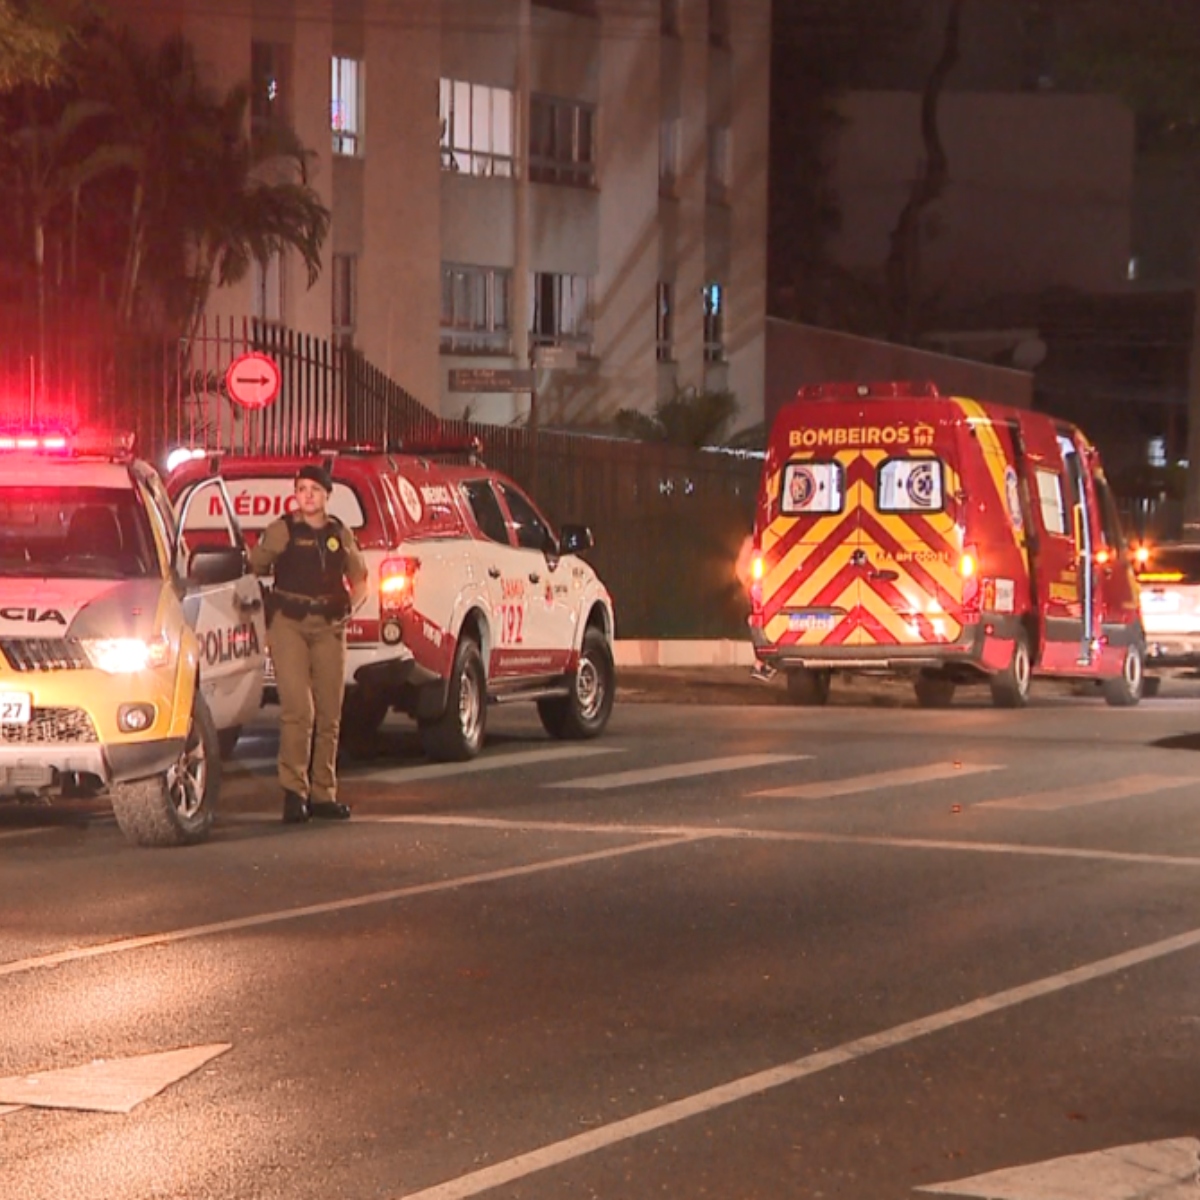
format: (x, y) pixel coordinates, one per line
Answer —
(757, 570)
(968, 568)
(396, 579)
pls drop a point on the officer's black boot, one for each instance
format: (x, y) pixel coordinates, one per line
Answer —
(330, 810)
(296, 809)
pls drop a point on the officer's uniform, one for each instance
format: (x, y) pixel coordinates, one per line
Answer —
(307, 610)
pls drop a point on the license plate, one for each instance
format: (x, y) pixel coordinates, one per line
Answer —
(810, 620)
(268, 668)
(1160, 601)
(15, 708)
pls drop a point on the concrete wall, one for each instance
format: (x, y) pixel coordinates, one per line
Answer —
(800, 354)
(1040, 190)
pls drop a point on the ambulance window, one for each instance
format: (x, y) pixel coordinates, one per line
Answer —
(532, 532)
(1050, 498)
(812, 487)
(486, 510)
(259, 500)
(910, 485)
(1110, 518)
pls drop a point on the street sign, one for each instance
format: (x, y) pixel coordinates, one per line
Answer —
(556, 358)
(490, 379)
(253, 380)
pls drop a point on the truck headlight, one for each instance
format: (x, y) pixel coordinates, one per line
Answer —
(125, 656)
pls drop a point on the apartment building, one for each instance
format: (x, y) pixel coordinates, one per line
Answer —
(576, 186)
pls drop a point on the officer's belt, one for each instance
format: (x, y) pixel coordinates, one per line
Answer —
(298, 607)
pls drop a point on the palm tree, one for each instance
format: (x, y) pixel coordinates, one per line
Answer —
(207, 199)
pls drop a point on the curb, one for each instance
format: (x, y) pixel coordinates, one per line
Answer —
(690, 652)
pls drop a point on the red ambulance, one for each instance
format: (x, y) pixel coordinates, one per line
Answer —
(898, 530)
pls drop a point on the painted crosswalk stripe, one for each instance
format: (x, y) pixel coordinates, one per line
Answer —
(904, 777)
(491, 762)
(1092, 793)
(685, 770)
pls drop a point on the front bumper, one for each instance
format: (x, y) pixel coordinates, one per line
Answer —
(31, 768)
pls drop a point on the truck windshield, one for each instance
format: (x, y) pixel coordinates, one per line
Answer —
(69, 532)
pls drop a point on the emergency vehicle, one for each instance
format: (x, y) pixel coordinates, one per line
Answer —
(127, 656)
(900, 530)
(473, 597)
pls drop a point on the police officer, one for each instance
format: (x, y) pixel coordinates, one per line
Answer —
(314, 557)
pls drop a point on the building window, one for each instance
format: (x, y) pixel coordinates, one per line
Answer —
(562, 311)
(670, 144)
(720, 162)
(267, 282)
(562, 142)
(477, 128)
(665, 322)
(268, 76)
(346, 106)
(475, 309)
(714, 322)
(345, 298)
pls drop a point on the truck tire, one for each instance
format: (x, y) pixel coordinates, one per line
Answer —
(457, 735)
(362, 715)
(1125, 690)
(1010, 687)
(934, 691)
(808, 687)
(227, 740)
(584, 712)
(177, 807)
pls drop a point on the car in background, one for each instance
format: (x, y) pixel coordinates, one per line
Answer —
(1169, 579)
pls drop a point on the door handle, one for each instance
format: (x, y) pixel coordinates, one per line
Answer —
(494, 572)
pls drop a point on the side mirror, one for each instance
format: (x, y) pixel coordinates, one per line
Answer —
(575, 539)
(210, 564)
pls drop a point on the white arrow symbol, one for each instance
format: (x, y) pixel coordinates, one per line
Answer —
(116, 1085)
(1166, 1170)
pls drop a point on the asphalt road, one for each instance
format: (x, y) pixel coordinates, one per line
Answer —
(734, 950)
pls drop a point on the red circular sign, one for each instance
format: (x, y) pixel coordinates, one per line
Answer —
(252, 380)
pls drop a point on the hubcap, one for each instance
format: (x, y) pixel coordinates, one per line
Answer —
(1133, 669)
(1021, 668)
(589, 687)
(187, 778)
(468, 708)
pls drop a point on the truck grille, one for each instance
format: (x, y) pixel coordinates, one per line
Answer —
(49, 726)
(44, 654)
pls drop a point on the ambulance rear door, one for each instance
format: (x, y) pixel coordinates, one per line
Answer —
(909, 545)
(811, 539)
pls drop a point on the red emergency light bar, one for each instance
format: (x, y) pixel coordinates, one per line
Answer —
(87, 443)
(437, 444)
(903, 389)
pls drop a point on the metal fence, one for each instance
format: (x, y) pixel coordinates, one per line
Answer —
(669, 522)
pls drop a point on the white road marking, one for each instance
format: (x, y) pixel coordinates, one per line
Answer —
(684, 770)
(1165, 1170)
(115, 1085)
(79, 954)
(736, 833)
(571, 1148)
(901, 777)
(249, 766)
(1091, 793)
(492, 762)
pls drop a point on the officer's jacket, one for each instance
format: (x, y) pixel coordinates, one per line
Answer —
(311, 562)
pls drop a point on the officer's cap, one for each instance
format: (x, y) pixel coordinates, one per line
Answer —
(317, 474)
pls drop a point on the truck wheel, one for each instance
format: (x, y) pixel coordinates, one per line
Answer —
(933, 691)
(1010, 687)
(362, 715)
(457, 734)
(1126, 689)
(585, 711)
(175, 808)
(809, 687)
(227, 740)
